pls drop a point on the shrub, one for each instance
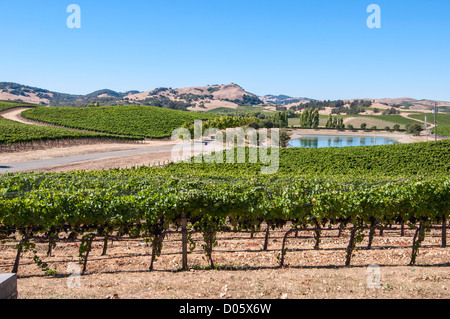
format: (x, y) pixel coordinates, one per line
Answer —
(284, 138)
(363, 126)
(414, 129)
(254, 124)
(391, 111)
(267, 123)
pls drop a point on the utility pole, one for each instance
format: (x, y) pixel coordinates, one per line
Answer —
(435, 122)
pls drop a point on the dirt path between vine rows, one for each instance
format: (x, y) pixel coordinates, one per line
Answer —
(252, 273)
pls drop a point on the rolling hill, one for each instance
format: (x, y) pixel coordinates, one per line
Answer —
(201, 98)
(129, 120)
(193, 98)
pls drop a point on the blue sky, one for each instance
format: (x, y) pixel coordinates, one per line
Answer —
(320, 49)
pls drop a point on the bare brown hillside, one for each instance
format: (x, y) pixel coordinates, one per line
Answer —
(200, 98)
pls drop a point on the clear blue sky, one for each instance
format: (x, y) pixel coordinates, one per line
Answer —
(320, 49)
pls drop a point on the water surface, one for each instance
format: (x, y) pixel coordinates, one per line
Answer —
(339, 141)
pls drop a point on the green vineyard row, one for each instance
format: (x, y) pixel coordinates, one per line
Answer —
(212, 207)
(443, 121)
(146, 203)
(15, 132)
(416, 159)
(363, 187)
(129, 120)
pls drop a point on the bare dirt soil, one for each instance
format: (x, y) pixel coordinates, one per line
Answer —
(246, 270)
(151, 158)
(147, 159)
(58, 152)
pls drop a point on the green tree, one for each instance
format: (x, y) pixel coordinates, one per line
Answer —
(303, 119)
(414, 129)
(285, 137)
(341, 125)
(310, 118)
(315, 118)
(330, 122)
(280, 120)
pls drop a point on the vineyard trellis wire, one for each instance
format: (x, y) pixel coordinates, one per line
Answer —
(156, 245)
(150, 211)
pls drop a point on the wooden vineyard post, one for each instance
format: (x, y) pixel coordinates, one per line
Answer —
(317, 235)
(371, 234)
(19, 252)
(105, 245)
(341, 228)
(444, 232)
(266, 239)
(184, 240)
(51, 244)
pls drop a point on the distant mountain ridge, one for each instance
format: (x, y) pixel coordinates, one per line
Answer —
(193, 98)
(284, 99)
(202, 98)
